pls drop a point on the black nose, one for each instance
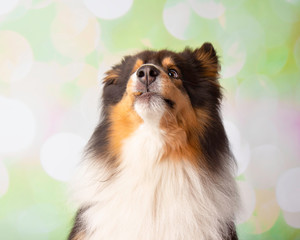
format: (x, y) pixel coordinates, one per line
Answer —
(147, 74)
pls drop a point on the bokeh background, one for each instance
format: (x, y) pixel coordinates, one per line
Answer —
(53, 54)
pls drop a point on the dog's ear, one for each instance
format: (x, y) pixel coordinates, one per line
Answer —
(208, 59)
(204, 60)
(111, 76)
(114, 74)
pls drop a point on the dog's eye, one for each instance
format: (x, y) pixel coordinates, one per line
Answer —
(172, 73)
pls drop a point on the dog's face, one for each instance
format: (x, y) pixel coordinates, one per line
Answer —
(177, 92)
(164, 81)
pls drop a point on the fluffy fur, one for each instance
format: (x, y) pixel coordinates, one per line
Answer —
(158, 166)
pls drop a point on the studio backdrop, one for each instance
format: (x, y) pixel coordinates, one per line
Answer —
(53, 56)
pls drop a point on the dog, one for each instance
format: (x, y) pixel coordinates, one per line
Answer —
(158, 165)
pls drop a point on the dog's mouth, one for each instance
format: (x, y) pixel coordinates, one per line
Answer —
(147, 97)
(147, 93)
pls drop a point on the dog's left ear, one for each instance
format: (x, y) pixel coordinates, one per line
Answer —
(208, 59)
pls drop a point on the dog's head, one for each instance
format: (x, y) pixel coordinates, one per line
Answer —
(176, 92)
(163, 81)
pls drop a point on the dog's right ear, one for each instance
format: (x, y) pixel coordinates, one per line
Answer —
(114, 74)
(111, 76)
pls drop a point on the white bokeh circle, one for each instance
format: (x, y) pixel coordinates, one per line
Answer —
(41, 4)
(60, 155)
(16, 56)
(17, 126)
(241, 151)
(248, 199)
(75, 32)
(254, 89)
(292, 218)
(4, 179)
(7, 6)
(108, 9)
(176, 19)
(38, 220)
(288, 190)
(234, 57)
(90, 106)
(266, 211)
(267, 163)
(207, 8)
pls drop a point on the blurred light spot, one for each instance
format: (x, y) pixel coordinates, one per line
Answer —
(87, 77)
(276, 59)
(108, 9)
(265, 167)
(60, 155)
(61, 86)
(243, 42)
(75, 122)
(147, 42)
(233, 134)
(288, 190)
(222, 21)
(255, 118)
(4, 179)
(257, 87)
(232, 4)
(242, 156)
(71, 71)
(38, 220)
(37, 4)
(279, 37)
(176, 19)
(266, 211)
(288, 11)
(297, 53)
(234, 57)
(248, 199)
(74, 32)
(292, 218)
(257, 105)
(240, 151)
(17, 126)
(90, 106)
(7, 6)
(207, 8)
(15, 56)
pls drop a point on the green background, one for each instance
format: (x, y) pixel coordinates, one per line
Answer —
(53, 55)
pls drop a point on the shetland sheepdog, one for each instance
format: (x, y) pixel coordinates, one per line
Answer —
(159, 166)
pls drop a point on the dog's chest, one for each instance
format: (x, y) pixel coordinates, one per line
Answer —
(150, 199)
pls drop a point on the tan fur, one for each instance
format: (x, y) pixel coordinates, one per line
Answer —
(111, 75)
(208, 61)
(137, 65)
(79, 236)
(168, 63)
(180, 123)
(124, 121)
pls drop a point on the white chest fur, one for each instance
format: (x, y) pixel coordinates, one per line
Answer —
(150, 199)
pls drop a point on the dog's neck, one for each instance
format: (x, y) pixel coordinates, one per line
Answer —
(147, 191)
